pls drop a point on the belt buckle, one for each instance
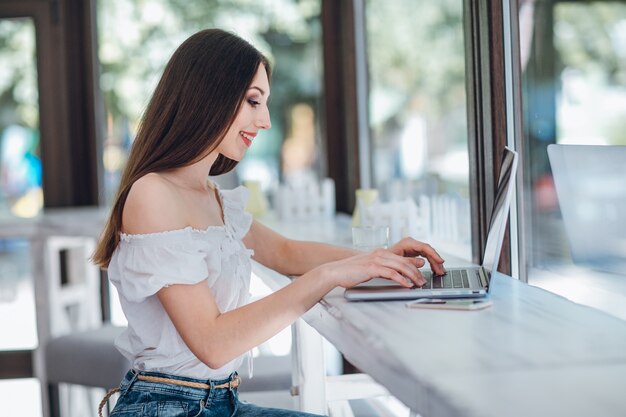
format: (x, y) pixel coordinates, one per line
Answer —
(234, 383)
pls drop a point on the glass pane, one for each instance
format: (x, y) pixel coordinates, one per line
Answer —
(136, 39)
(574, 92)
(20, 178)
(20, 163)
(417, 107)
(17, 299)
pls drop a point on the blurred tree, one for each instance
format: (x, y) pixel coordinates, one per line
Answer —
(18, 76)
(418, 45)
(591, 37)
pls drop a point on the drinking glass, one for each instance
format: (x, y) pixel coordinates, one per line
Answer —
(367, 238)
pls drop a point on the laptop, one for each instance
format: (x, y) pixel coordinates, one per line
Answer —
(590, 182)
(466, 282)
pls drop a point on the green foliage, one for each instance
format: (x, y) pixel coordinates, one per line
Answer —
(136, 39)
(18, 74)
(591, 37)
(418, 45)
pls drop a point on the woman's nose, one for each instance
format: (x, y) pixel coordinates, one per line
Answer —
(264, 121)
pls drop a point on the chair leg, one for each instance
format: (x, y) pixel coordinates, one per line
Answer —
(54, 400)
(340, 409)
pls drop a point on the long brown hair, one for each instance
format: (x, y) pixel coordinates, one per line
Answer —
(197, 99)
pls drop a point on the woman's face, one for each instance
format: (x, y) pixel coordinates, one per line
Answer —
(252, 117)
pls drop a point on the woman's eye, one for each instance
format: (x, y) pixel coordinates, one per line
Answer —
(253, 102)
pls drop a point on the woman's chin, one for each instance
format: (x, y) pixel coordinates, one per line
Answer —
(238, 157)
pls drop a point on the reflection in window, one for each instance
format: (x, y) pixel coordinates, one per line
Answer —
(574, 92)
(137, 38)
(20, 164)
(417, 108)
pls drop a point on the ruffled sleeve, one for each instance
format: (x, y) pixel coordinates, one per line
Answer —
(238, 221)
(145, 265)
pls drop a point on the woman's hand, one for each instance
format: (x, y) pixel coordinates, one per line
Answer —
(410, 247)
(380, 263)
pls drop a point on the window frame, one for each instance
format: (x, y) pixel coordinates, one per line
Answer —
(488, 123)
(341, 119)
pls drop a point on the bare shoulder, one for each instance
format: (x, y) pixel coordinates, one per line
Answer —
(152, 206)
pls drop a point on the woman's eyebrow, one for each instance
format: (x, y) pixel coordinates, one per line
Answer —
(257, 88)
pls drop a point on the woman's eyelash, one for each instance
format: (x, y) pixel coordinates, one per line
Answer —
(253, 102)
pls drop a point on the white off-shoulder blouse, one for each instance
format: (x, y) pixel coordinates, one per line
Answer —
(143, 264)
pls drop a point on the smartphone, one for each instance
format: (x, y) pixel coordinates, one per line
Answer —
(450, 304)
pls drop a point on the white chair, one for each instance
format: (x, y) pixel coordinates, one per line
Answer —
(272, 365)
(76, 351)
(314, 391)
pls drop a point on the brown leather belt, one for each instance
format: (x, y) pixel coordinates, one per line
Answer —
(233, 383)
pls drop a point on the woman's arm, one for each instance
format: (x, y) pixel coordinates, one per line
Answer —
(216, 338)
(296, 257)
(288, 256)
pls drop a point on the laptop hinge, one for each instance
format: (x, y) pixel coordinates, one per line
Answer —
(484, 277)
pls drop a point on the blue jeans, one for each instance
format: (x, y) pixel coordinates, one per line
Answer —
(155, 399)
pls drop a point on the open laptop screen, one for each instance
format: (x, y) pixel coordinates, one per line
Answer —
(497, 224)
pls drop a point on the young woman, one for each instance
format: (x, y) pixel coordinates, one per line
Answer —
(178, 248)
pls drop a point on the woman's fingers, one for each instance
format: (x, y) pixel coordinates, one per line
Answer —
(427, 251)
(392, 275)
(411, 247)
(378, 263)
(406, 268)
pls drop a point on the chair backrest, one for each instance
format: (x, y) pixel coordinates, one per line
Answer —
(73, 285)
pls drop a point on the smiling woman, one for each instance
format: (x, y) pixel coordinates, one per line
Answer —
(178, 248)
(193, 121)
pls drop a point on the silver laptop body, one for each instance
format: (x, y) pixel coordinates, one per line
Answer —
(466, 282)
(590, 182)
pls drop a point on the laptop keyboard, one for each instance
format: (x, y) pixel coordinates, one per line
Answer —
(452, 279)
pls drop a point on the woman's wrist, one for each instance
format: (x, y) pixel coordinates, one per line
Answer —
(325, 277)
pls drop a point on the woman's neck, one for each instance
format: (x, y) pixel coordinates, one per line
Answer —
(193, 177)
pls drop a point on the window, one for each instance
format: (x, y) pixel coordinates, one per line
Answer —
(574, 92)
(418, 113)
